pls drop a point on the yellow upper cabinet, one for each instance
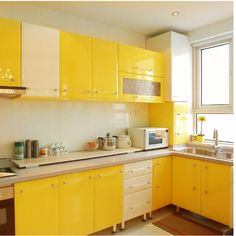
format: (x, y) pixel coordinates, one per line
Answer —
(186, 183)
(104, 69)
(10, 52)
(76, 203)
(108, 197)
(40, 60)
(161, 182)
(75, 66)
(36, 207)
(216, 192)
(140, 61)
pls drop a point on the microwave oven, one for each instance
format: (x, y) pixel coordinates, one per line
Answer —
(149, 138)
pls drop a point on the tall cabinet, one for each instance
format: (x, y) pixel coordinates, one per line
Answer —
(177, 51)
(40, 60)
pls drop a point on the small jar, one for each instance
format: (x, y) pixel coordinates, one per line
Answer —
(19, 150)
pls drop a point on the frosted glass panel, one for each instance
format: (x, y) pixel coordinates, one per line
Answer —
(215, 75)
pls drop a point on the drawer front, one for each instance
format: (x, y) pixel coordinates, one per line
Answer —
(137, 204)
(6, 193)
(136, 184)
(137, 169)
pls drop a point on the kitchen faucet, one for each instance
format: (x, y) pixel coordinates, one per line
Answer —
(216, 142)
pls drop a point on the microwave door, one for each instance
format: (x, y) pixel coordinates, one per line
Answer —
(154, 139)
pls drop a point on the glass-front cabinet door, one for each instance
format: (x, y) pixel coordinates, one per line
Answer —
(140, 88)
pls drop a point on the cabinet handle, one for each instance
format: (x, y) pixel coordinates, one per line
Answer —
(131, 207)
(148, 182)
(131, 187)
(65, 90)
(52, 185)
(55, 90)
(158, 186)
(206, 192)
(131, 171)
(90, 177)
(149, 167)
(194, 188)
(21, 191)
(64, 182)
(99, 175)
(148, 202)
(121, 171)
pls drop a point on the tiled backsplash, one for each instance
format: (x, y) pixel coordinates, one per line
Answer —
(73, 123)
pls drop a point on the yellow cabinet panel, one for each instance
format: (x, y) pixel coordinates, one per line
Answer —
(186, 183)
(216, 194)
(10, 52)
(173, 115)
(36, 207)
(76, 203)
(104, 69)
(108, 194)
(161, 195)
(140, 88)
(75, 66)
(140, 61)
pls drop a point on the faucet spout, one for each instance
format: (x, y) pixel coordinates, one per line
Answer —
(216, 142)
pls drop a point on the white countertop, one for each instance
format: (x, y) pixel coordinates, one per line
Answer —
(79, 164)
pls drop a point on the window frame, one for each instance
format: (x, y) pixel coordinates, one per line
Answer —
(196, 85)
(221, 108)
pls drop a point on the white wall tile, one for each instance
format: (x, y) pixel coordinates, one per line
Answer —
(73, 123)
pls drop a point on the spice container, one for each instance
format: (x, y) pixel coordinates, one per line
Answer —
(44, 152)
(28, 148)
(35, 144)
(19, 150)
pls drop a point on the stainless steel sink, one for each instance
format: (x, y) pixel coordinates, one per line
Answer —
(207, 152)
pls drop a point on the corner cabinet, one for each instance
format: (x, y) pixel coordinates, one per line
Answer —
(36, 207)
(10, 52)
(203, 187)
(40, 60)
(178, 62)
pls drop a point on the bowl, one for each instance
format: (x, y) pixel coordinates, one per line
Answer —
(91, 146)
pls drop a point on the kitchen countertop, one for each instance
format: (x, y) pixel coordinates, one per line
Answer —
(27, 174)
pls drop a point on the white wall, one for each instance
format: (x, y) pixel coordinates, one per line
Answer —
(206, 32)
(59, 20)
(73, 123)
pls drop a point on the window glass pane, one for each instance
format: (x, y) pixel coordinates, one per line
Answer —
(215, 75)
(223, 122)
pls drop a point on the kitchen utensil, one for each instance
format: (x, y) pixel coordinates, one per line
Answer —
(35, 144)
(123, 141)
(93, 145)
(107, 143)
(28, 148)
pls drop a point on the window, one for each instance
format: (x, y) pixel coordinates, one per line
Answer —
(213, 87)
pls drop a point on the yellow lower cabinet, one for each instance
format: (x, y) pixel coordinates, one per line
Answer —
(108, 197)
(76, 203)
(186, 183)
(36, 207)
(161, 191)
(216, 194)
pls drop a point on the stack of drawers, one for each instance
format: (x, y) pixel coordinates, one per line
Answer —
(137, 190)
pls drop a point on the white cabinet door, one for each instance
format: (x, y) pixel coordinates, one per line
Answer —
(40, 60)
(178, 64)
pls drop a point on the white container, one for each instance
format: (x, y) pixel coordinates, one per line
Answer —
(124, 141)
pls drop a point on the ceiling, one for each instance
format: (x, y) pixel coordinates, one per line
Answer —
(148, 17)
